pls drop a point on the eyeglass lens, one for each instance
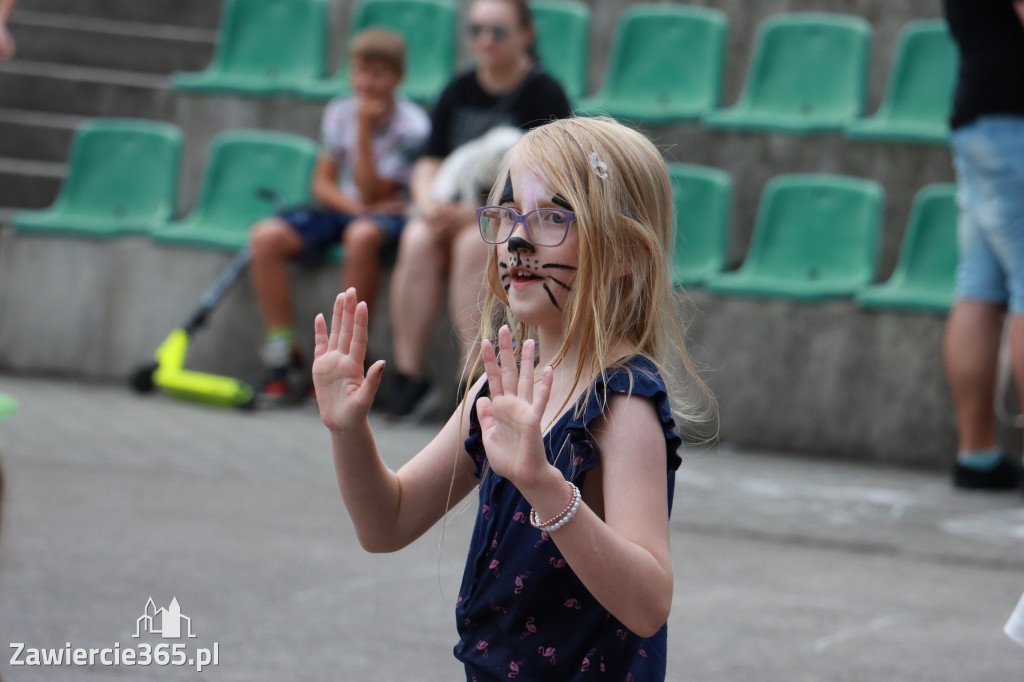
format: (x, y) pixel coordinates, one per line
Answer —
(498, 33)
(545, 226)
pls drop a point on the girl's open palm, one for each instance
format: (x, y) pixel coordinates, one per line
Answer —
(510, 418)
(343, 394)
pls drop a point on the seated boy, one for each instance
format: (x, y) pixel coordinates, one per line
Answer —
(360, 186)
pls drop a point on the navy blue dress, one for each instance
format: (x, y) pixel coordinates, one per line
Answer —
(521, 611)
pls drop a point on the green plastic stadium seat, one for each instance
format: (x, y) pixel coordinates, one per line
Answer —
(925, 274)
(563, 42)
(703, 200)
(240, 165)
(122, 178)
(429, 29)
(916, 104)
(265, 47)
(815, 238)
(807, 74)
(8, 406)
(665, 65)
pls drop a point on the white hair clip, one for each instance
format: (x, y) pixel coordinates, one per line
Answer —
(599, 166)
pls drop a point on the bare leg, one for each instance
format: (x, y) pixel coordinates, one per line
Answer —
(273, 242)
(363, 240)
(416, 290)
(971, 350)
(466, 289)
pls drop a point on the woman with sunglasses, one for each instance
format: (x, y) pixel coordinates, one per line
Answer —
(505, 87)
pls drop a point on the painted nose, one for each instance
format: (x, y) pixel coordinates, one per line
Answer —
(516, 244)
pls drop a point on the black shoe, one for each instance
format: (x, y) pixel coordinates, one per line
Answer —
(1003, 476)
(287, 385)
(411, 400)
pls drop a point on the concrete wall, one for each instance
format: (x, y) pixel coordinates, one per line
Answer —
(828, 379)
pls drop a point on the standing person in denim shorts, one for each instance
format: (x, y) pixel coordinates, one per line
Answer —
(988, 151)
(360, 184)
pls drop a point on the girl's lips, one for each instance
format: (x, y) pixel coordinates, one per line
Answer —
(522, 278)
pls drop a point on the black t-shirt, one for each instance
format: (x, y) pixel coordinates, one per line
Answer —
(465, 111)
(990, 38)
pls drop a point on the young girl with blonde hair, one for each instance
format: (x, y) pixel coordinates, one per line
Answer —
(570, 433)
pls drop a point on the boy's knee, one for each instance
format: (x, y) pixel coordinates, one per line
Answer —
(271, 236)
(363, 236)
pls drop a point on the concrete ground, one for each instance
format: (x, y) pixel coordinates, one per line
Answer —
(786, 569)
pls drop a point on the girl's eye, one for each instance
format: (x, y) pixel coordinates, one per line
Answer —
(554, 218)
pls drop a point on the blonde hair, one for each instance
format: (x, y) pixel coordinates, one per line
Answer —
(617, 183)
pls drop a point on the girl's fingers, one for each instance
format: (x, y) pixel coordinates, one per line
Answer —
(339, 306)
(525, 390)
(509, 373)
(319, 336)
(491, 368)
(543, 391)
(347, 321)
(484, 412)
(359, 334)
(372, 382)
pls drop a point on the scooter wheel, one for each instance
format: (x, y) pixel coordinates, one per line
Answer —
(142, 379)
(249, 405)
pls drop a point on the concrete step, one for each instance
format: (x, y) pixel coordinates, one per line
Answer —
(197, 13)
(105, 43)
(36, 135)
(29, 184)
(83, 91)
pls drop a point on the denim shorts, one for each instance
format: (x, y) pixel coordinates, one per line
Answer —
(321, 229)
(989, 159)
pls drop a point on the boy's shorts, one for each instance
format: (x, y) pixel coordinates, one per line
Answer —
(321, 229)
(989, 159)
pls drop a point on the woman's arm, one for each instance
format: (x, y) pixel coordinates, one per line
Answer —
(6, 41)
(422, 179)
(623, 558)
(389, 510)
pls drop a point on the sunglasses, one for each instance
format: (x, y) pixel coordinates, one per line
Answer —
(498, 32)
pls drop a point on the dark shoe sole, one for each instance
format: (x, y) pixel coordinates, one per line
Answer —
(1004, 476)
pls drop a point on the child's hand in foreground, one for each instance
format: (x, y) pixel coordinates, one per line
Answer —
(343, 394)
(510, 418)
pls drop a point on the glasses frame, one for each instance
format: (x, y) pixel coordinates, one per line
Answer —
(523, 218)
(499, 32)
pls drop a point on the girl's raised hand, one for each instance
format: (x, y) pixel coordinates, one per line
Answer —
(343, 394)
(510, 418)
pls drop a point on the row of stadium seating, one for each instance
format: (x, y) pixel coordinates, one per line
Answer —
(815, 236)
(807, 71)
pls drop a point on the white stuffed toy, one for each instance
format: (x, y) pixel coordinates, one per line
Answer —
(472, 168)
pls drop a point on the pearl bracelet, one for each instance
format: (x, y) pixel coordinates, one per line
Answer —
(563, 518)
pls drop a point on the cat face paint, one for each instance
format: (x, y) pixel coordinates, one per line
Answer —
(537, 279)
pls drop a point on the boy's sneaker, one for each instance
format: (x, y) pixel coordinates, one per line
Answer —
(411, 400)
(287, 385)
(1003, 476)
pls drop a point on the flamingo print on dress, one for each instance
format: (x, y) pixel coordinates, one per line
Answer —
(521, 583)
(531, 629)
(548, 652)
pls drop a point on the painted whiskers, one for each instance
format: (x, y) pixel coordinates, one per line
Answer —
(518, 266)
